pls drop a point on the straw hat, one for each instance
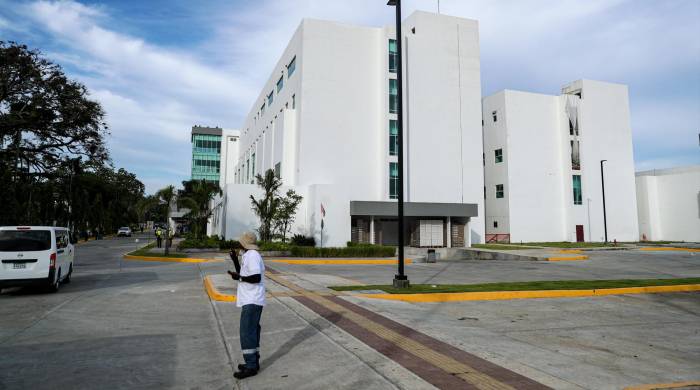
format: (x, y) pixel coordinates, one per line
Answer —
(247, 241)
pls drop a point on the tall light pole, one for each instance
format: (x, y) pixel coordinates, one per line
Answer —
(400, 279)
(602, 181)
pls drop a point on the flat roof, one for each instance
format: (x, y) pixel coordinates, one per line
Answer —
(414, 209)
(206, 130)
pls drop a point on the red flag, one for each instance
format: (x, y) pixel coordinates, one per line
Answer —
(323, 211)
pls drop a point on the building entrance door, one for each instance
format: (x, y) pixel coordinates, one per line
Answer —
(579, 233)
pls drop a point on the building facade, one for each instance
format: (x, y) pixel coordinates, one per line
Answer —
(206, 153)
(668, 201)
(326, 124)
(542, 165)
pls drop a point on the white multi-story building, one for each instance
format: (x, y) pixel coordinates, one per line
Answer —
(542, 165)
(325, 122)
(668, 201)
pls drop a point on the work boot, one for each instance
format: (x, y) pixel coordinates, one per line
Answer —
(245, 372)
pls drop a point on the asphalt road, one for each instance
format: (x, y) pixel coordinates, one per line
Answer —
(118, 324)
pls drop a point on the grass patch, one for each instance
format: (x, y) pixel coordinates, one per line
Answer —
(565, 244)
(522, 286)
(500, 247)
(145, 253)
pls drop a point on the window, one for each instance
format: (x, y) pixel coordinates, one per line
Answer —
(393, 180)
(247, 170)
(499, 191)
(291, 67)
(252, 168)
(294, 101)
(495, 224)
(262, 109)
(393, 137)
(494, 115)
(499, 155)
(280, 84)
(575, 156)
(393, 96)
(270, 98)
(278, 170)
(578, 195)
(393, 56)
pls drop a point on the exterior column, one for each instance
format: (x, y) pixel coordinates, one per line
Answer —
(467, 235)
(371, 229)
(449, 232)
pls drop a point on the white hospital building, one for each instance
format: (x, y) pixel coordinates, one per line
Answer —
(542, 172)
(325, 122)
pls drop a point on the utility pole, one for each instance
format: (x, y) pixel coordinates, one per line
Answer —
(400, 280)
(602, 181)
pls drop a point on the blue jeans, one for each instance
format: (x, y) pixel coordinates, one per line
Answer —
(250, 335)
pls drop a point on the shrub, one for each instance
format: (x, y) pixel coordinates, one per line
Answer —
(273, 246)
(302, 240)
(353, 251)
(193, 243)
(356, 244)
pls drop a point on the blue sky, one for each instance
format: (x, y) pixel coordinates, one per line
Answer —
(159, 67)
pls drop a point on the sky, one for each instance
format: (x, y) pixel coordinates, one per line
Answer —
(159, 67)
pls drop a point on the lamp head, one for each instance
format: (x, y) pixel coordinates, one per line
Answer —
(391, 3)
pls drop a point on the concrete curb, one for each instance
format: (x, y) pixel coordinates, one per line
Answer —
(214, 294)
(505, 295)
(658, 386)
(172, 259)
(568, 258)
(669, 249)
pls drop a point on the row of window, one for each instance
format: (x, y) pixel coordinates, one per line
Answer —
(291, 67)
(393, 123)
(576, 181)
(202, 166)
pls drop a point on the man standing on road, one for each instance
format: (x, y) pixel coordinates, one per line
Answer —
(159, 237)
(251, 299)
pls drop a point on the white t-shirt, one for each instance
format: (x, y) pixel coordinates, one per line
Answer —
(251, 293)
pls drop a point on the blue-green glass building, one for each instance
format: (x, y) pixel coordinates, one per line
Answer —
(206, 153)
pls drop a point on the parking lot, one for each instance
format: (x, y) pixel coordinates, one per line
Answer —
(131, 324)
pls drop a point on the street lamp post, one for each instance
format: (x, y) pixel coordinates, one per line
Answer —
(602, 181)
(400, 279)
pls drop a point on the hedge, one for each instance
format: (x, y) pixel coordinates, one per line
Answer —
(356, 251)
(207, 243)
(273, 246)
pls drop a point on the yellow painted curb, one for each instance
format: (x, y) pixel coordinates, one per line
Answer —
(656, 386)
(172, 259)
(215, 294)
(568, 258)
(668, 248)
(339, 261)
(503, 295)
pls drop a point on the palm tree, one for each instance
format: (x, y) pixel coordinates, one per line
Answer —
(266, 208)
(166, 195)
(196, 197)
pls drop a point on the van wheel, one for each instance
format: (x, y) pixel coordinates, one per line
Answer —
(53, 287)
(70, 272)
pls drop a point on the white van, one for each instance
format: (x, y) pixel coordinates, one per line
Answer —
(35, 255)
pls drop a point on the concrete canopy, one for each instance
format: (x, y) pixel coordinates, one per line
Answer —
(413, 209)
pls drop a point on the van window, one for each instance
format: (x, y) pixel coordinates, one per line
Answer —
(61, 239)
(25, 241)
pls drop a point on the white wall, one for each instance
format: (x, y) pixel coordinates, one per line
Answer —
(606, 134)
(443, 122)
(668, 201)
(533, 130)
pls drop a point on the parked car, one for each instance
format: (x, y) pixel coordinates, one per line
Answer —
(35, 255)
(124, 232)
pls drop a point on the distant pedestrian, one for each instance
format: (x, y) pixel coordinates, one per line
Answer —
(250, 297)
(159, 237)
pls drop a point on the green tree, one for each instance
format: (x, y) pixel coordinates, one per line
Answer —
(197, 196)
(266, 207)
(286, 212)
